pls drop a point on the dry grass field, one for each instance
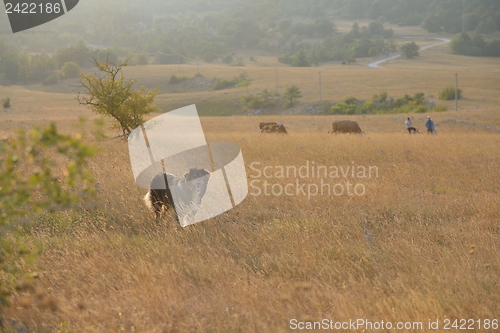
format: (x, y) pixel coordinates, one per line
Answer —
(422, 243)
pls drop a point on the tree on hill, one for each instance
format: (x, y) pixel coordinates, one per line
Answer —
(111, 96)
(292, 94)
(70, 69)
(432, 23)
(300, 59)
(409, 50)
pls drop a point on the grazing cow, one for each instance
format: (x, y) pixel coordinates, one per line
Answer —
(345, 126)
(272, 128)
(266, 125)
(182, 193)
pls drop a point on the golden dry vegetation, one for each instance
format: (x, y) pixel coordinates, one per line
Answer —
(422, 243)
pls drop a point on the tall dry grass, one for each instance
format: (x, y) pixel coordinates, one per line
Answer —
(423, 243)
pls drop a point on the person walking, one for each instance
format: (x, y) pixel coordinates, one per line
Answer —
(430, 125)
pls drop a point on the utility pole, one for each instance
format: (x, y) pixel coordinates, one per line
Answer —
(320, 86)
(197, 66)
(178, 61)
(456, 91)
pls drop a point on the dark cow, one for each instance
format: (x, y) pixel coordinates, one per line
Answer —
(271, 127)
(183, 194)
(345, 126)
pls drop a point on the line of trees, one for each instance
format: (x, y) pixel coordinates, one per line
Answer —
(381, 103)
(21, 66)
(358, 43)
(464, 44)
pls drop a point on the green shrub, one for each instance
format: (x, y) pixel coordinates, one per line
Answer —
(448, 93)
(30, 184)
(285, 59)
(262, 100)
(409, 50)
(220, 84)
(243, 84)
(325, 106)
(462, 44)
(227, 59)
(70, 70)
(6, 103)
(440, 108)
(51, 79)
(380, 104)
(241, 81)
(142, 60)
(343, 108)
(351, 60)
(134, 60)
(238, 62)
(292, 95)
(177, 80)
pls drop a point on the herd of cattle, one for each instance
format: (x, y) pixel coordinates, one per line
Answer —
(338, 126)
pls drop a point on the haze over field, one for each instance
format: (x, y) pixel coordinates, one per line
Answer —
(404, 228)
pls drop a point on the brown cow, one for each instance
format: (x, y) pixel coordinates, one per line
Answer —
(271, 127)
(345, 126)
(266, 125)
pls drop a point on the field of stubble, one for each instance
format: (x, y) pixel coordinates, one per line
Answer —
(421, 243)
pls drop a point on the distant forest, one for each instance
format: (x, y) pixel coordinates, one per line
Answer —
(298, 32)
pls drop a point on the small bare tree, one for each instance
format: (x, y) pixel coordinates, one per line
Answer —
(111, 96)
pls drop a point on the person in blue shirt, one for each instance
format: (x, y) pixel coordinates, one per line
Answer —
(430, 125)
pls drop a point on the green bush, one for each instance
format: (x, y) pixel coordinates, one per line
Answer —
(227, 59)
(448, 93)
(325, 106)
(70, 70)
(260, 101)
(106, 55)
(220, 84)
(51, 79)
(285, 59)
(241, 81)
(476, 46)
(142, 60)
(6, 103)
(409, 50)
(177, 80)
(380, 103)
(343, 108)
(440, 108)
(292, 95)
(30, 184)
(238, 62)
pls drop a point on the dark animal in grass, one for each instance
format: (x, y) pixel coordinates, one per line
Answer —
(168, 191)
(345, 126)
(272, 127)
